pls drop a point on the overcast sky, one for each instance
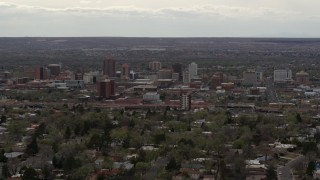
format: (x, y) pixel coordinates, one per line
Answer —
(161, 18)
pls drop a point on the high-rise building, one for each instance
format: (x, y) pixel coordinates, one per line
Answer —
(177, 68)
(250, 78)
(54, 69)
(282, 75)
(165, 74)
(78, 76)
(186, 77)
(41, 73)
(302, 78)
(106, 88)
(175, 76)
(109, 67)
(125, 71)
(155, 65)
(185, 101)
(215, 81)
(193, 70)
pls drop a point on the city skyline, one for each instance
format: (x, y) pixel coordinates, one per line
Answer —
(142, 18)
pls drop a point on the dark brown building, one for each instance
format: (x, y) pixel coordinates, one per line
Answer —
(54, 69)
(302, 78)
(125, 71)
(40, 73)
(109, 67)
(177, 68)
(106, 88)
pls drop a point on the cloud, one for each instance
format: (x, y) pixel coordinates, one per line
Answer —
(203, 10)
(197, 20)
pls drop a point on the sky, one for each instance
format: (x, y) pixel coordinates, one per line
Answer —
(160, 18)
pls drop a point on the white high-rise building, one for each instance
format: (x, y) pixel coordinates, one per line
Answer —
(282, 75)
(186, 77)
(193, 70)
(185, 102)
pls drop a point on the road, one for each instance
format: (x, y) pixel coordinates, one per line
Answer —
(285, 173)
(271, 93)
(157, 166)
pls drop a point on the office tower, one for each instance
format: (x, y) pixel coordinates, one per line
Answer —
(54, 69)
(165, 74)
(109, 67)
(125, 71)
(106, 88)
(282, 75)
(250, 78)
(186, 77)
(40, 73)
(215, 81)
(193, 70)
(155, 65)
(78, 76)
(177, 68)
(175, 76)
(302, 78)
(185, 101)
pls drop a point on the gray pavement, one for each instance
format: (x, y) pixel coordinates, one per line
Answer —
(285, 172)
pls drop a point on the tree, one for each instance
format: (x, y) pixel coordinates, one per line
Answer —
(172, 165)
(3, 119)
(32, 148)
(271, 173)
(30, 174)
(71, 163)
(95, 142)
(56, 162)
(317, 136)
(77, 129)
(309, 147)
(311, 168)
(298, 118)
(46, 172)
(3, 158)
(5, 171)
(158, 138)
(100, 177)
(40, 130)
(55, 147)
(67, 133)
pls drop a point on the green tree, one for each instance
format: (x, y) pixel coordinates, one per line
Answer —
(100, 177)
(172, 165)
(158, 138)
(3, 119)
(46, 172)
(55, 147)
(271, 173)
(3, 158)
(311, 168)
(29, 174)
(5, 171)
(56, 162)
(32, 147)
(40, 130)
(67, 133)
(298, 118)
(309, 147)
(77, 129)
(71, 163)
(95, 142)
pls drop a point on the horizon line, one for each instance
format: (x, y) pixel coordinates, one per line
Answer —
(170, 37)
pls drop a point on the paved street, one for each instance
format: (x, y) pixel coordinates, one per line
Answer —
(284, 172)
(271, 93)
